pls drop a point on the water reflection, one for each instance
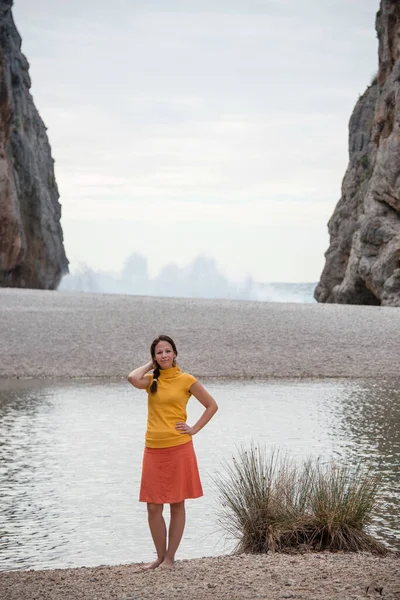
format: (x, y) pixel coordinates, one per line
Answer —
(371, 423)
(29, 505)
(70, 458)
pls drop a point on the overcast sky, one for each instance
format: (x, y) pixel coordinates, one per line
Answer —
(214, 127)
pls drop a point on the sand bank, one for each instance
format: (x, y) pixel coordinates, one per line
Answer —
(271, 577)
(59, 334)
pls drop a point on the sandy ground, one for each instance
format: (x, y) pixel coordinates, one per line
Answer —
(55, 334)
(271, 577)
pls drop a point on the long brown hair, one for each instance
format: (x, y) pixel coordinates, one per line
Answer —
(156, 372)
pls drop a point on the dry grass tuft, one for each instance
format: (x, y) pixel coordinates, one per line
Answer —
(271, 504)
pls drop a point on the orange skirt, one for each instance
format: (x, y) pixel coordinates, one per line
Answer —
(170, 475)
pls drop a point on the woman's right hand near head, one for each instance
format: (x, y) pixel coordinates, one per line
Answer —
(137, 376)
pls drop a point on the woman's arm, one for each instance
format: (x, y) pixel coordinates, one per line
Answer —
(208, 402)
(137, 376)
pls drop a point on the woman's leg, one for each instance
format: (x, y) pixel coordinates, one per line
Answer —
(176, 527)
(158, 532)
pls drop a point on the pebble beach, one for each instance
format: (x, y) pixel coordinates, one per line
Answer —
(246, 577)
(63, 335)
(56, 335)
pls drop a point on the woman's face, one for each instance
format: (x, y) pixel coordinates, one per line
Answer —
(164, 354)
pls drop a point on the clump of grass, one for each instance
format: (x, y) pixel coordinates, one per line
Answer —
(271, 504)
(341, 502)
(258, 500)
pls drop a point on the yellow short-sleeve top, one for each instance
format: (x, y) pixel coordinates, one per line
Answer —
(166, 407)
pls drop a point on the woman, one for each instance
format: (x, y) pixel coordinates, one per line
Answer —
(169, 474)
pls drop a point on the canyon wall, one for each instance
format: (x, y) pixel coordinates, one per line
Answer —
(363, 259)
(31, 240)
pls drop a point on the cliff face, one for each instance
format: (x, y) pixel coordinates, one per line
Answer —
(363, 260)
(31, 240)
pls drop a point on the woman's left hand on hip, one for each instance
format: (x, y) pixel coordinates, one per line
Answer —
(184, 428)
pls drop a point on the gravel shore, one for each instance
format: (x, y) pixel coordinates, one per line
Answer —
(60, 334)
(270, 577)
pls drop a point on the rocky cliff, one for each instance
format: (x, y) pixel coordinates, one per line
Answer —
(363, 259)
(31, 240)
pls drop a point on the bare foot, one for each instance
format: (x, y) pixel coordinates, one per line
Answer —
(156, 563)
(167, 563)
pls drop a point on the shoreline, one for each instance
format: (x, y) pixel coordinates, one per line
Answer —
(319, 576)
(210, 378)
